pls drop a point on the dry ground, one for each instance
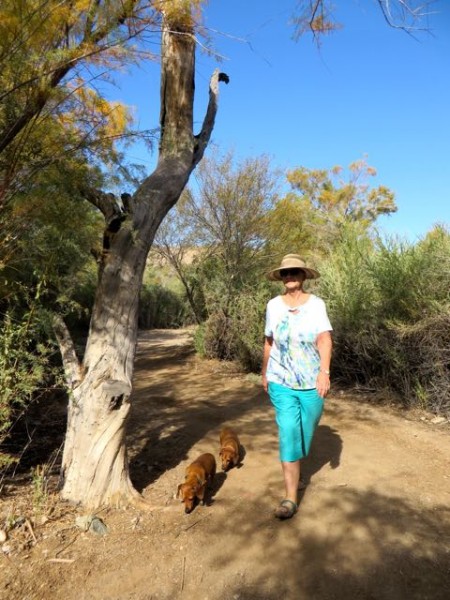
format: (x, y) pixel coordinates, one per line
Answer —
(373, 523)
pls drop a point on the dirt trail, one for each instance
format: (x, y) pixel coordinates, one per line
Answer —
(373, 523)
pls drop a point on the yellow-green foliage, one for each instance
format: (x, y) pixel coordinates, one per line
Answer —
(51, 105)
(321, 203)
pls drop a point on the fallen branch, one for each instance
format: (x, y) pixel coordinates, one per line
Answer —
(61, 560)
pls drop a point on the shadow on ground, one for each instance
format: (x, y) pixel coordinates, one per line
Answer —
(163, 429)
(379, 547)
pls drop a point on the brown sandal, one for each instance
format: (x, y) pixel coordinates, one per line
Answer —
(286, 509)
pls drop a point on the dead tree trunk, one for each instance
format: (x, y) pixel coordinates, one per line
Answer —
(94, 466)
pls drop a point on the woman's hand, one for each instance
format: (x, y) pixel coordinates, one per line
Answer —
(264, 382)
(324, 346)
(323, 384)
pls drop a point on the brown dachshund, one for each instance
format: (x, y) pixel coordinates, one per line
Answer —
(230, 448)
(198, 475)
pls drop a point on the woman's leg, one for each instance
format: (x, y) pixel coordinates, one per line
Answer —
(288, 417)
(311, 408)
(291, 474)
(287, 411)
(297, 416)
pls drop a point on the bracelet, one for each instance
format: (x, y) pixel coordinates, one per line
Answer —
(324, 371)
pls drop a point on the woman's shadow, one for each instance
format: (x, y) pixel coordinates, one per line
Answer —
(326, 448)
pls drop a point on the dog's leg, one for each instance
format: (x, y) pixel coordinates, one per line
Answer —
(201, 494)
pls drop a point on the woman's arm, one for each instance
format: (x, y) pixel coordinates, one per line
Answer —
(268, 341)
(324, 346)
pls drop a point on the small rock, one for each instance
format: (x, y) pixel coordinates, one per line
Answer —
(83, 522)
(438, 420)
(3, 536)
(97, 526)
(91, 523)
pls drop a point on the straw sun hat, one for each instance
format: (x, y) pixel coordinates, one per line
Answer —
(293, 261)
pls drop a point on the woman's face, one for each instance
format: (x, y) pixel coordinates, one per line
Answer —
(292, 278)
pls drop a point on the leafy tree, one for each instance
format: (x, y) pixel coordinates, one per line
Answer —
(220, 222)
(321, 202)
(52, 54)
(328, 193)
(43, 109)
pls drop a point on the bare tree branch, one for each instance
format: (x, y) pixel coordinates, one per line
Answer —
(406, 15)
(107, 203)
(316, 16)
(204, 136)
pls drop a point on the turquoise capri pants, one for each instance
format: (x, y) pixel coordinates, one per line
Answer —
(297, 413)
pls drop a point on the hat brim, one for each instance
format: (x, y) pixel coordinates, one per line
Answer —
(309, 273)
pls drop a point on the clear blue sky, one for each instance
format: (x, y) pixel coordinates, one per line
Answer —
(368, 91)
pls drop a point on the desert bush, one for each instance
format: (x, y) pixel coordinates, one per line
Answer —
(214, 337)
(425, 378)
(218, 341)
(199, 340)
(389, 302)
(235, 304)
(248, 319)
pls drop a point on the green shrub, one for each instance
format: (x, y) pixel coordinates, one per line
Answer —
(248, 322)
(234, 329)
(218, 339)
(26, 369)
(162, 308)
(389, 303)
(199, 340)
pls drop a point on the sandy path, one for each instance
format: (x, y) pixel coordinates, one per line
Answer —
(374, 522)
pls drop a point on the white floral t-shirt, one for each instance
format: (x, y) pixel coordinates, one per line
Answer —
(294, 358)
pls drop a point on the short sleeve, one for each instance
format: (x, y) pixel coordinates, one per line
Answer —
(268, 329)
(323, 322)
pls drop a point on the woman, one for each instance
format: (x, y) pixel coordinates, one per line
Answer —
(296, 369)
